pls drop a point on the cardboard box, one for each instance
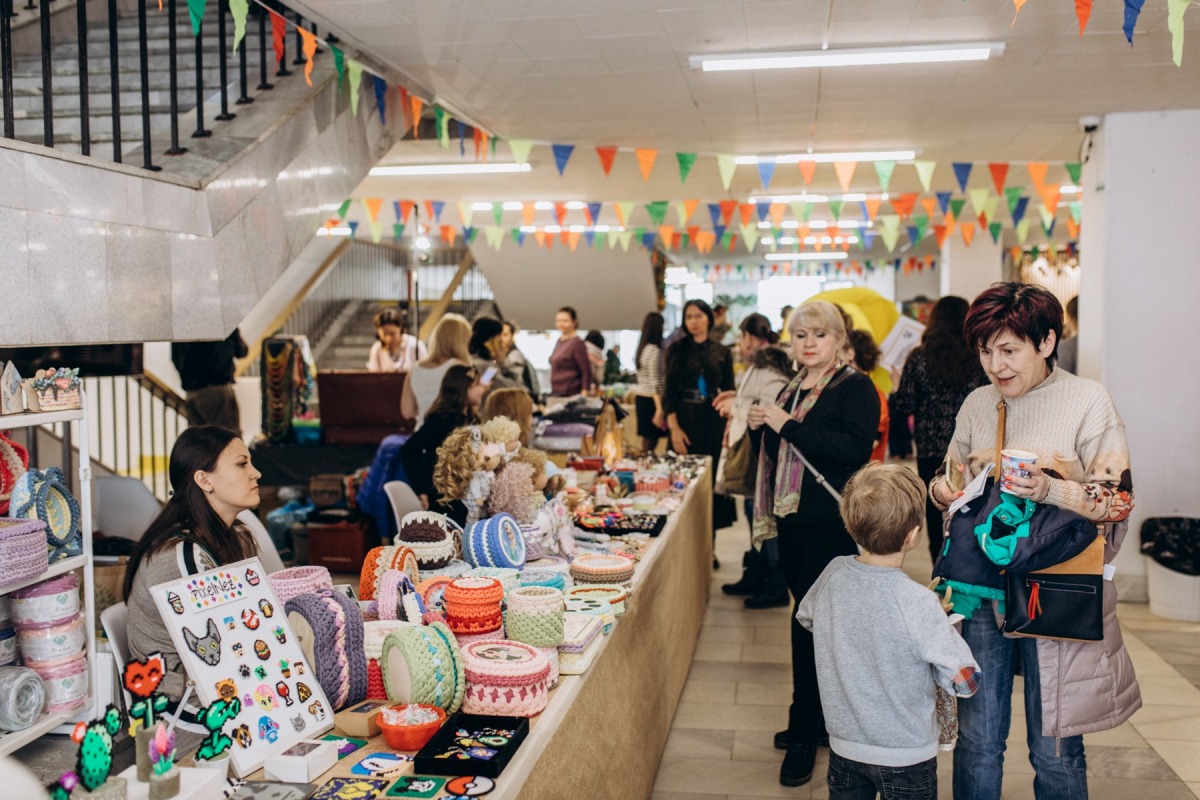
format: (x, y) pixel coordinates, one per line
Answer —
(361, 720)
(303, 762)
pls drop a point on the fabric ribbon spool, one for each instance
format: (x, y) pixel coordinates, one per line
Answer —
(66, 684)
(48, 647)
(432, 537)
(398, 598)
(581, 642)
(374, 634)
(533, 541)
(543, 577)
(495, 542)
(422, 664)
(455, 569)
(23, 552)
(505, 678)
(46, 496)
(594, 606)
(46, 604)
(473, 605)
(14, 460)
(381, 559)
(615, 595)
(288, 583)
(551, 654)
(535, 616)
(9, 652)
(329, 629)
(601, 568)
(509, 578)
(22, 698)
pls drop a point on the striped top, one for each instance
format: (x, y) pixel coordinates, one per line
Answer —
(649, 372)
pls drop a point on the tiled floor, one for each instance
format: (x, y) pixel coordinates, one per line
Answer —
(739, 688)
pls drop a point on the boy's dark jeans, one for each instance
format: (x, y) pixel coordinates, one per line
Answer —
(852, 780)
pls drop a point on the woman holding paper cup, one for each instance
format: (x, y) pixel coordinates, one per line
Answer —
(1067, 448)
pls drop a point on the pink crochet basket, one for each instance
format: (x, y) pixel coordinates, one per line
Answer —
(23, 552)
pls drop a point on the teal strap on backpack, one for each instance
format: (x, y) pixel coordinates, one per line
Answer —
(1013, 514)
(967, 597)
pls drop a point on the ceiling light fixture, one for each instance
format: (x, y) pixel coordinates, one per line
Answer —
(1069, 188)
(446, 169)
(832, 255)
(482, 206)
(513, 205)
(829, 158)
(850, 57)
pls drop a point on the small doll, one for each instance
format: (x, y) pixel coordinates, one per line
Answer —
(503, 431)
(537, 460)
(513, 492)
(465, 470)
(558, 528)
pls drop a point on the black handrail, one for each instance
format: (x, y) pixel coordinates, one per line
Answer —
(85, 128)
(263, 83)
(243, 98)
(201, 132)
(144, 68)
(114, 76)
(172, 67)
(47, 78)
(282, 71)
(224, 116)
(299, 59)
(6, 68)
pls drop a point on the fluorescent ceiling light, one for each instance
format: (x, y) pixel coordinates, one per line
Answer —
(447, 169)
(484, 206)
(513, 205)
(854, 197)
(338, 231)
(577, 229)
(552, 229)
(850, 57)
(544, 205)
(1068, 188)
(791, 198)
(829, 158)
(528, 229)
(576, 205)
(832, 255)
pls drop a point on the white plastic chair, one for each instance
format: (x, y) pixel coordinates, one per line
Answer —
(114, 620)
(123, 506)
(403, 499)
(267, 552)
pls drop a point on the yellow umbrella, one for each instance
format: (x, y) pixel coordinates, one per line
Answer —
(871, 312)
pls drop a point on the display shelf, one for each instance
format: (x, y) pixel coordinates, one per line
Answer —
(56, 569)
(30, 418)
(48, 722)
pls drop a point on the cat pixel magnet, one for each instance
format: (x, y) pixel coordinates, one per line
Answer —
(303, 762)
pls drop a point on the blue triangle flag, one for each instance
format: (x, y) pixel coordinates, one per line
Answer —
(437, 206)
(914, 233)
(381, 97)
(520, 237)
(648, 240)
(589, 235)
(462, 138)
(1049, 229)
(594, 213)
(719, 230)
(962, 171)
(766, 171)
(943, 199)
(762, 207)
(1018, 212)
(353, 228)
(1132, 9)
(714, 211)
(868, 238)
(562, 154)
(468, 234)
(396, 205)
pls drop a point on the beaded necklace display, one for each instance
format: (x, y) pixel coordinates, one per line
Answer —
(277, 394)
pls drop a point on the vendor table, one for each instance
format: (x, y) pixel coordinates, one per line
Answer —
(602, 733)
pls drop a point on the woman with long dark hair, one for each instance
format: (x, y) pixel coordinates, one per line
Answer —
(486, 333)
(938, 376)
(649, 386)
(212, 481)
(457, 404)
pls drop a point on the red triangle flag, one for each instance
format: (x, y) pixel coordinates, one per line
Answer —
(727, 207)
(939, 232)
(406, 209)
(278, 33)
(607, 154)
(903, 204)
(999, 174)
(807, 170)
(560, 212)
(693, 233)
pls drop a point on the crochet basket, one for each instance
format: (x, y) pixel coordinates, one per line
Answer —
(602, 568)
(14, 460)
(505, 678)
(45, 496)
(381, 559)
(422, 664)
(23, 552)
(329, 628)
(473, 605)
(374, 634)
(433, 538)
(495, 542)
(294, 581)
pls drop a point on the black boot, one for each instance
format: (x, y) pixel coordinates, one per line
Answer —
(753, 576)
(773, 592)
(797, 768)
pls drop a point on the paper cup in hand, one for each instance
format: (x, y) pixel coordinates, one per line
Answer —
(1015, 463)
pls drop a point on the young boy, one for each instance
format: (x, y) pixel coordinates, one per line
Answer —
(883, 645)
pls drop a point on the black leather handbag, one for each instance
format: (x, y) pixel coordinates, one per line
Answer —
(1064, 602)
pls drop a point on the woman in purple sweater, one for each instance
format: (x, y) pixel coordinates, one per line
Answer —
(570, 370)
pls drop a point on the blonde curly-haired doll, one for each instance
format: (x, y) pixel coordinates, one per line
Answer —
(503, 431)
(465, 470)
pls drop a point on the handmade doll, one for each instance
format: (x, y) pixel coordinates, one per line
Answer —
(513, 492)
(465, 470)
(537, 460)
(503, 431)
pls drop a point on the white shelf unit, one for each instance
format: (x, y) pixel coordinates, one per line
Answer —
(50, 722)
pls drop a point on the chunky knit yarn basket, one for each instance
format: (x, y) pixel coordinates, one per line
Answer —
(288, 583)
(473, 605)
(617, 596)
(432, 537)
(422, 664)
(505, 678)
(535, 616)
(509, 578)
(602, 568)
(495, 542)
(543, 577)
(374, 634)
(455, 569)
(329, 628)
(381, 559)
(23, 552)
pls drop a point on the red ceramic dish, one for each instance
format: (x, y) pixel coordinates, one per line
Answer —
(411, 737)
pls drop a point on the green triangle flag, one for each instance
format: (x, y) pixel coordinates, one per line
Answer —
(884, 170)
(339, 61)
(355, 69)
(681, 210)
(518, 236)
(397, 231)
(1047, 217)
(625, 238)
(890, 229)
(686, 160)
(520, 150)
(494, 235)
(343, 208)
(1076, 209)
(978, 198)
(497, 212)
(442, 126)
(726, 166)
(800, 210)
(657, 210)
(600, 240)
(835, 208)
(196, 12)
(1013, 195)
(624, 209)
(956, 206)
(921, 223)
(925, 172)
(994, 229)
(1075, 171)
(239, 9)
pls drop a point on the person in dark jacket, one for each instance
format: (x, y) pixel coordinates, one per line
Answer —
(457, 404)
(829, 415)
(206, 372)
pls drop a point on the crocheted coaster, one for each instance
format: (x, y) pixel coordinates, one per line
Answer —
(422, 664)
(601, 568)
(432, 537)
(455, 569)
(23, 552)
(288, 583)
(46, 496)
(581, 642)
(535, 616)
(329, 628)
(615, 595)
(543, 577)
(380, 559)
(495, 542)
(594, 606)
(505, 678)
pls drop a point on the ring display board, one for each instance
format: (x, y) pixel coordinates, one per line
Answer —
(234, 640)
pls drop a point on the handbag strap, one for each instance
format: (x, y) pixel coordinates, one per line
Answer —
(1001, 420)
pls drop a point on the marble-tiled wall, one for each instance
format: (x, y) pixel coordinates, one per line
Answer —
(98, 252)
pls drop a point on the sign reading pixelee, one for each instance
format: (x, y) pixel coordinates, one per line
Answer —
(213, 589)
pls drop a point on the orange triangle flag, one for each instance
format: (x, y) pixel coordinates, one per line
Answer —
(429, 215)
(373, 205)
(727, 207)
(449, 234)
(807, 170)
(665, 232)
(967, 229)
(539, 236)
(776, 211)
(676, 240)
(1050, 194)
(309, 40)
(747, 211)
(872, 207)
(688, 207)
(903, 204)
(845, 172)
(1037, 171)
(528, 211)
(693, 232)
(1072, 228)
(929, 204)
(417, 105)
(406, 209)
(645, 158)
(1083, 10)
(564, 237)
(560, 212)
(607, 154)
(939, 232)
(1016, 253)
(573, 240)
(549, 242)
(999, 174)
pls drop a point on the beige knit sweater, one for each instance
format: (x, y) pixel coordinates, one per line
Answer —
(1071, 424)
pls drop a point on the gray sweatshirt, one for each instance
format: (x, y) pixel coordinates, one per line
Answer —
(883, 644)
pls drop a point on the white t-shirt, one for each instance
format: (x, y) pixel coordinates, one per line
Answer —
(411, 351)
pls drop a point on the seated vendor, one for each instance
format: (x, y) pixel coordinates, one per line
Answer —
(212, 481)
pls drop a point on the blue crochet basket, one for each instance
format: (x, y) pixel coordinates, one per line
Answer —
(44, 495)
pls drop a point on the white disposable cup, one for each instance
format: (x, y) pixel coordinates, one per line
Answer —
(1016, 463)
